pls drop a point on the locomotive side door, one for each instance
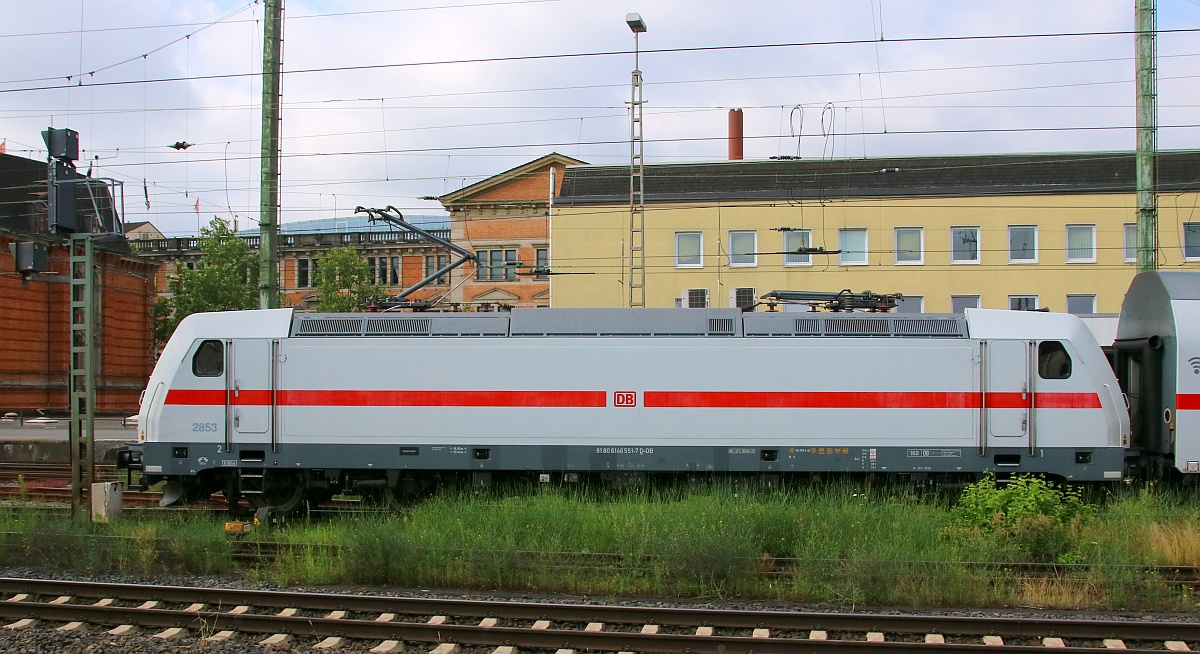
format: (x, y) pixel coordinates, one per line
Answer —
(1008, 393)
(249, 390)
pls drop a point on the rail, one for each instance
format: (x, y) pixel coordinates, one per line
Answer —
(574, 626)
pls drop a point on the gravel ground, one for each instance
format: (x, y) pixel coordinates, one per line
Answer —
(43, 639)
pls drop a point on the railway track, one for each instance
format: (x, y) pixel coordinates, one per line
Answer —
(387, 624)
(52, 470)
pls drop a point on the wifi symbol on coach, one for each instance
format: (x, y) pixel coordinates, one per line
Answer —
(1195, 361)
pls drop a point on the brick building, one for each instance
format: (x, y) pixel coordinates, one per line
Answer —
(34, 312)
(396, 259)
(505, 219)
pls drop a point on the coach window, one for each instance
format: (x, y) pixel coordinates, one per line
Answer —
(1053, 360)
(209, 360)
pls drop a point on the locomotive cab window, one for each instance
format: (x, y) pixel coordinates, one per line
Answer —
(1053, 360)
(209, 359)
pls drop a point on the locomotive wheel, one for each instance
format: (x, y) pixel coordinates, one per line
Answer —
(282, 492)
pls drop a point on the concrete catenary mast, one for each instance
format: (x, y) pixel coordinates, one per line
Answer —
(1147, 137)
(268, 203)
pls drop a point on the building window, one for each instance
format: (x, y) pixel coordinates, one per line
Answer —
(1130, 242)
(1191, 241)
(434, 263)
(797, 239)
(688, 246)
(541, 261)
(1081, 305)
(1081, 243)
(371, 266)
(306, 273)
(910, 246)
(960, 303)
(496, 265)
(1022, 244)
(395, 271)
(743, 248)
(383, 271)
(510, 264)
(964, 245)
(853, 244)
(911, 304)
(1023, 302)
(744, 297)
(482, 271)
(697, 298)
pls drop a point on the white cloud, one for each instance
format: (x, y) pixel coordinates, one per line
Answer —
(452, 124)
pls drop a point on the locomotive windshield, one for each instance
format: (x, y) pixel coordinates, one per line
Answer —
(209, 360)
(1053, 360)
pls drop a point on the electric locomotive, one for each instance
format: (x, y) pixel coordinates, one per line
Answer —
(278, 406)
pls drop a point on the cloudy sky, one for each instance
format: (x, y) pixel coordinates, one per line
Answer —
(386, 102)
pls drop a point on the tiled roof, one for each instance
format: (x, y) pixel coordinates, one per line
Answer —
(816, 179)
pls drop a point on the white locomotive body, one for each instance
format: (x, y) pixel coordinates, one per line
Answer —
(274, 405)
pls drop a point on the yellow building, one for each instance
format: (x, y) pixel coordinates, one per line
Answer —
(1053, 231)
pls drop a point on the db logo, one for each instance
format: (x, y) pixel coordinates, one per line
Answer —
(624, 398)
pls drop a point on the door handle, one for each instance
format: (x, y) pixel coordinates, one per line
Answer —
(237, 389)
(236, 420)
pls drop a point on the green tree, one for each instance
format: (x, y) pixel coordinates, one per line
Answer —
(225, 279)
(344, 281)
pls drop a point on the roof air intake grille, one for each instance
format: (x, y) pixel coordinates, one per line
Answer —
(330, 327)
(720, 325)
(857, 327)
(397, 327)
(808, 326)
(927, 327)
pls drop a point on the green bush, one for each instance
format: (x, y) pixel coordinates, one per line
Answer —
(1037, 518)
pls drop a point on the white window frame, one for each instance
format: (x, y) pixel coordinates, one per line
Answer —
(920, 260)
(733, 296)
(978, 301)
(1036, 302)
(842, 260)
(1035, 244)
(919, 299)
(1183, 240)
(753, 262)
(978, 246)
(1129, 243)
(687, 297)
(1080, 295)
(1067, 236)
(701, 255)
(807, 258)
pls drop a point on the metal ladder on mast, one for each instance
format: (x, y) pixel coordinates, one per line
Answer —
(81, 385)
(637, 201)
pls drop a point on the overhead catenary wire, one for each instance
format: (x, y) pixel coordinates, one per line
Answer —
(493, 150)
(583, 55)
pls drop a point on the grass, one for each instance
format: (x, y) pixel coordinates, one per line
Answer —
(838, 545)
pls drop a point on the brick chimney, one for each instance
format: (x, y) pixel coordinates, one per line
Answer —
(735, 134)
